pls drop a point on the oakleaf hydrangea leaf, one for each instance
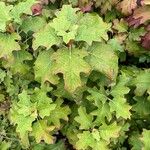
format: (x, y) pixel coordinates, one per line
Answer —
(33, 24)
(4, 15)
(97, 96)
(85, 140)
(121, 107)
(135, 141)
(84, 119)
(60, 112)
(22, 8)
(109, 131)
(67, 17)
(44, 103)
(103, 59)
(8, 44)
(41, 132)
(23, 114)
(142, 82)
(45, 37)
(101, 113)
(70, 63)
(146, 139)
(92, 140)
(92, 28)
(17, 62)
(142, 106)
(43, 68)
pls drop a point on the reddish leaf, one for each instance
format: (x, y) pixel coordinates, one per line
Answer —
(87, 7)
(36, 9)
(133, 22)
(140, 16)
(146, 41)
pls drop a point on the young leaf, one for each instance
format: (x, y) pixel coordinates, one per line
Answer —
(142, 106)
(46, 36)
(90, 140)
(142, 82)
(44, 103)
(103, 59)
(84, 119)
(109, 131)
(33, 24)
(43, 68)
(146, 139)
(4, 15)
(23, 114)
(41, 132)
(17, 62)
(92, 28)
(70, 63)
(68, 19)
(22, 8)
(101, 114)
(60, 112)
(85, 140)
(121, 107)
(8, 44)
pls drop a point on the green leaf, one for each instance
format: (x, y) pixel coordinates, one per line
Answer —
(97, 96)
(46, 37)
(44, 103)
(33, 24)
(109, 131)
(92, 28)
(4, 15)
(142, 106)
(17, 62)
(8, 44)
(121, 107)
(84, 119)
(41, 132)
(59, 113)
(136, 33)
(22, 8)
(120, 89)
(43, 68)
(146, 139)
(90, 140)
(5, 145)
(101, 114)
(120, 25)
(142, 82)
(68, 19)
(85, 140)
(2, 75)
(70, 63)
(118, 103)
(103, 59)
(135, 141)
(23, 114)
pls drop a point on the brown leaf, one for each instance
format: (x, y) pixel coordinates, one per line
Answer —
(143, 13)
(146, 41)
(127, 6)
(87, 7)
(133, 22)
